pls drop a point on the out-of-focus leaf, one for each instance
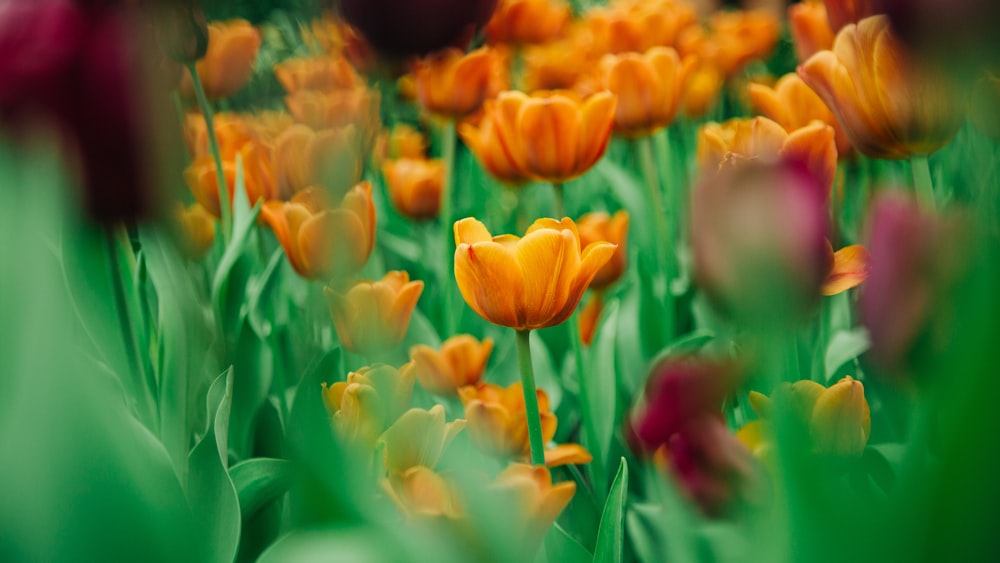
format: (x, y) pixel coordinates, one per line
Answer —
(687, 344)
(259, 482)
(844, 347)
(631, 194)
(630, 360)
(211, 493)
(545, 371)
(253, 371)
(601, 381)
(559, 546)
(610, 547)
(882, 462)
(261, 295)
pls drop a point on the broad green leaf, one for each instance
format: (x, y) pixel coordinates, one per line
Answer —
(560, 547)
(253, 369)
(261, 295)
(610, 547)
(210, 489)
(601, 381)
(259, 482)
(844, 347)
(630, 360)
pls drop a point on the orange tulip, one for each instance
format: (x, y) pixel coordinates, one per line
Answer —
(369, 401)
(703, 91)
(810, 28)
(228, 63)
(546, 66)
(336, 108)
(258, 178)
(231, 133)
(484, 142)
(402, 142)
(732, 40)
(317, 73)
(497, 424)
(540, 502)
(321, 242)
(888, 107)
(526, 283)
(600, 227)
(415, 186)
(454, 84)
(762, 139)
(330, 158)
(553, 136)
(267, 126)
(649, 88)
(419, 492)
(197, 230)
(850, 267)
(794, 105)
(460, 362)
(840, 13)
(371, 318)
(528, 21)
(418, 438)
(638, 26)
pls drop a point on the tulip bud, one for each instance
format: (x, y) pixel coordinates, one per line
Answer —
(197, 230)
(415, 186)
(460, 362)
(402, 28)
(841, 420)
(369, 401)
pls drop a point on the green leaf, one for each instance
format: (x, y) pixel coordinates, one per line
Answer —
(559, 546)
(259, 482)
(601, 382)
(253, 367)
(210, 491)
(630, 359)
(844, 347)
(687, 344)
(631, 194)
(261, 295)
(882, 462)
(610, 545)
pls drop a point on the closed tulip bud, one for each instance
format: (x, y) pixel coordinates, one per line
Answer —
(523, 22)
(461, 361)
(601, 227)
(793, 105)
(497, 424)
(840, 13)
(402, 28)
(317, 73)
(649, 88)
(197, 230)
(371, 399)
(452, 83)
(320, 241)
(888, 106)
(415, 186)
(539, 501)
(484, 141)
(330, 158)
(372, 317)
(421, 493)
(554, 136)
(526, 283)
(418, 438)
(402, 142)
(759, 241)
(810, 29)
(841, 420)
(228, 62)
(639, 26)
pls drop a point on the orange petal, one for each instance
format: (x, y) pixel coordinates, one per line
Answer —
(491, 281)
(851, 266)
(565, 454)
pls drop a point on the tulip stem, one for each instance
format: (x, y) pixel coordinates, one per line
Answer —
(557, 189)
(213, 147)
(658, 216)
(597, 469)
(534, 419)
(922, 181)
(447, 236)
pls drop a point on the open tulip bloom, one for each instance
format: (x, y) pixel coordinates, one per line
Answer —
(499, 280)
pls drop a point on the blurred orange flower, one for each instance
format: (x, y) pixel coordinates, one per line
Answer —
(649, 88)
(415, 186)
(419, 492)
(228, 63)
(454, 84)
(336, 108)
(540, 501)
(553, 136)
(320, 73)
(600, 227)
(484, 141)
(849, 268)
(330, 158)
(794, 105)
(497, 424)
(418, 438)
(888, 106)
(402, 142)
(546, 66)
(810, 28)
(372, 316)
(840, 13)
(197, 230)
(369, 401)
(323, 242)
(636, 26)
(461, 361)
(258, 178)
(231, 133)
(590, 313)
(526, 283)
(731, 40)
(702, 91)
(522, 22)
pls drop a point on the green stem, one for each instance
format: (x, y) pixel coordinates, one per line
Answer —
(658, 215)
(557, 189)
(447, 235)
(922, 181)
(213, 146)
(534, 419)
(597, 469)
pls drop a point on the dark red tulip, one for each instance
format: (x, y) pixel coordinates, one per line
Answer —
(416, 27)
(960, 33)
(713, 468)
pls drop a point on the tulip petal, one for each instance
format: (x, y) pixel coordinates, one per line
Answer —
(565, 454)
(594, 257)
(491, 281)
(550, 129)
(471, 231)
(549, 260)
(851, 266)
(597, 120)
(487, 427)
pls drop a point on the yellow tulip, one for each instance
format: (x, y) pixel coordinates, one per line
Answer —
(369, 401)
(841, 419)
(372, 316)
(526, 283)
(417, 438)
(460, 362)
(197, 230)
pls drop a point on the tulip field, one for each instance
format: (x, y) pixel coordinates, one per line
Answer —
(499, 280)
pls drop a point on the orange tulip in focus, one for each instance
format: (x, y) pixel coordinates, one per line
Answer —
(888, 106)
(526, 283)
(321, 242)
(415, 186)
(840, 13)
(761, 139)
(553, 136)
(454, 84)
(460, 362)
(649, 88)
(810, 28)
(372, 316)
(329, 158)
(497, 424)
(197, 230)
(228, 62)
(600, 227)
(316, 73)
(484, 141)
(794, 105)
(638, 26)
(522, 22)
(369, 401)
(850, 267)
(540, 502)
